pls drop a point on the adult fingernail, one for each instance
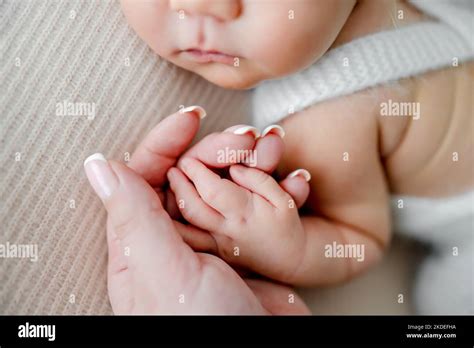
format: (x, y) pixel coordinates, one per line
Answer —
(274, 129)
(101, 176)
(198, 110)
(300, 172)
(247, 130)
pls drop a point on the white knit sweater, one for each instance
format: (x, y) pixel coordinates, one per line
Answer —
(382, 57)
(54, 53)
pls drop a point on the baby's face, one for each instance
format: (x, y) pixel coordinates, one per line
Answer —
(238, 43)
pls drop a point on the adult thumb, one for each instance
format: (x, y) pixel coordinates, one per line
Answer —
(136, 220)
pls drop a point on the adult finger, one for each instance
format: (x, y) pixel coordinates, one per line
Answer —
(219, 150)
(296, 184)
(138, 222)
(268, 149)
(199, 240)
(278, 299)
(165, 143)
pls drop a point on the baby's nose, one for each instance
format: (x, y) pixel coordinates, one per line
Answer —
(225, 10)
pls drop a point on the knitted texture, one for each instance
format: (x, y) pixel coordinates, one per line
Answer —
(372, 60)
(53, 53)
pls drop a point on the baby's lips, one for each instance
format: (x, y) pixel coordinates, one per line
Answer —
(198, 110)
(274, 129)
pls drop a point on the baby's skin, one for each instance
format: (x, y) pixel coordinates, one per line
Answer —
(356, 158)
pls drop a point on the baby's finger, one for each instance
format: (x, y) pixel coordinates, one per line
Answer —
(165, 143)
(268, 150)
(296, 184)
(191, 205)
(260, 183)
(198, 240)
(221, 194)
(219, 150)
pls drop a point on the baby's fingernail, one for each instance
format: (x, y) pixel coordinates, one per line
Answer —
(247, 130)
(300, 172)
(100, 175)
(171, 173)
(274, 129)
(184, 163)
(238, 168)
(196, 109)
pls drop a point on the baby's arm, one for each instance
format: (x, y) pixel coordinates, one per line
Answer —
(348, 202)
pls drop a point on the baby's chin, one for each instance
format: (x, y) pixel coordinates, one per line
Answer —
(230, 81)
(226, 76)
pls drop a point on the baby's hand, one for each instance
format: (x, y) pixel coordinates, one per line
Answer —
(253, 221)
(220, 150)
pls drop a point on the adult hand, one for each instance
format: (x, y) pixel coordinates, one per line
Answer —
(151, 269)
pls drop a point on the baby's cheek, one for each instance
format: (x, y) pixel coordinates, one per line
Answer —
(284, 54)
(149, 19)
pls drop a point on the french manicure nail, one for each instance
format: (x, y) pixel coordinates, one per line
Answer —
(300, 172)
(274, 129)
(247, 130)
(101, 176)
(194, 108)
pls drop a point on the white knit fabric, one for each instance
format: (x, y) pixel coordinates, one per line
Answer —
(75, 51)
(429, 219)
(372, 60)
(445, 282)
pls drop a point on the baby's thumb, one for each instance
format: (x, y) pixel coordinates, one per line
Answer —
(297, 186)
(136, 219)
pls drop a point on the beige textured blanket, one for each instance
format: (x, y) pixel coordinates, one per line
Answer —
(75, 80)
